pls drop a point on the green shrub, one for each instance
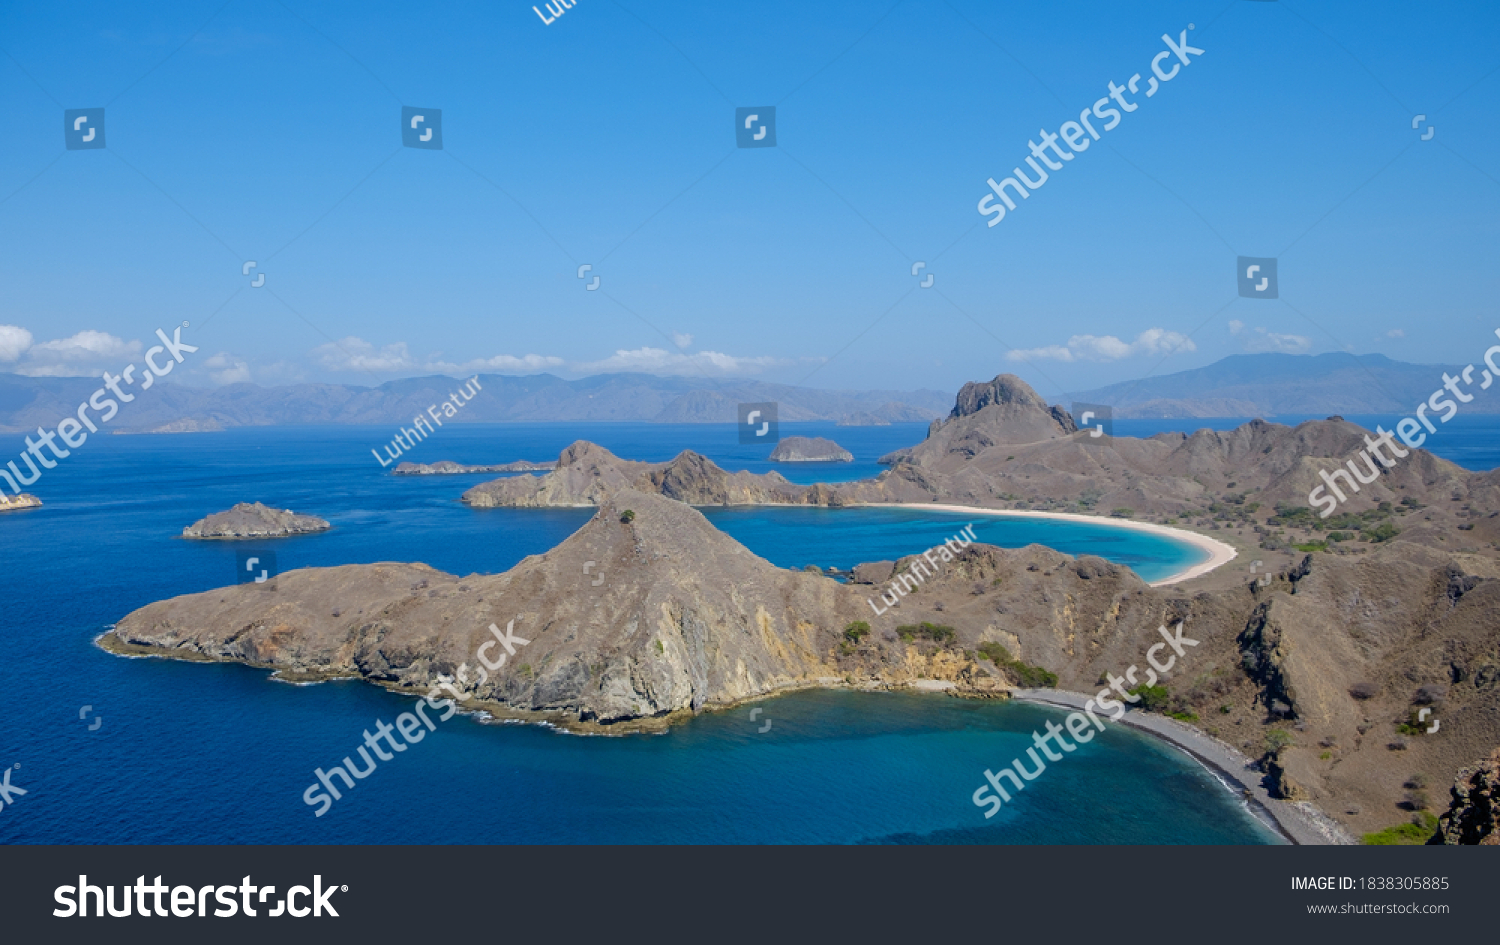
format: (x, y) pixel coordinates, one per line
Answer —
(628, 516)
(1183, 716)
(856, 630)
(1121, 512)
(660, 650)
(938, 633)
(1152, 698)
(1277, 739)
(1028, 676)
(995, 652)
(1416, 833)
(1385, 531)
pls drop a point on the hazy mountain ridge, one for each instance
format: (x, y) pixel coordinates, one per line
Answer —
(29, 402)
(1265, 385)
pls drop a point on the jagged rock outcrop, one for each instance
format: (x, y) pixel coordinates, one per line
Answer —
(255, 520)
(810, 449)
(587, 474)
(1005, 410)
(1471, 815)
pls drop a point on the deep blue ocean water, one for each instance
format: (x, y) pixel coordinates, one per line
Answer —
(210, 753)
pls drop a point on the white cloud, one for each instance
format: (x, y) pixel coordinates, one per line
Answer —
(82, 355)
(356, 354)
(1236, 326)
(1154, 341)
(682, 341)
(1263, 341)
(500, 363)
(650, 360)
(13, 342)
(227, 369)
(1395, 333)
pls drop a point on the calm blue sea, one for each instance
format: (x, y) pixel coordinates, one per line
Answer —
(201, 753)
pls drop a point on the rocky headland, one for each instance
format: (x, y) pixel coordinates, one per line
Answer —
(449, 468)
(810, 449)
(255, 520)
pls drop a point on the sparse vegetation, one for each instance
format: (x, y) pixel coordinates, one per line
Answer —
(1152, 698)
(628, 516)
(856, 631)
(937, 633)
(1028, 676)
(1364, 690)
(660, 650)
(1277, 739)
(1122, 512)
(1415, 833)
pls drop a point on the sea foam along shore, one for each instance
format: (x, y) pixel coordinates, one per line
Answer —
(1218, 552)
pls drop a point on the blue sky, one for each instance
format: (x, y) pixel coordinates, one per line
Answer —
(253, 130)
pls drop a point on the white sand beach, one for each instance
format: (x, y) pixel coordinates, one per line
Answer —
(1218, 552)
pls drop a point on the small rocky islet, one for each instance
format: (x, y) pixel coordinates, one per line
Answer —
(810, 449)
(255, 520)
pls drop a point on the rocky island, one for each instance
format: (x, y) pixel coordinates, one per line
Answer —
(184, 425)
(1311, 666)
(810, 449)
(254, 520)
(449, 468)
(23, 500)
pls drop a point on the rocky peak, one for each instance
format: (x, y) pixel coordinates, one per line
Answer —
(1006, 389)
(582, 451)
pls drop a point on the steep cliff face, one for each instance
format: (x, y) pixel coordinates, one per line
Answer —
(1471, 815)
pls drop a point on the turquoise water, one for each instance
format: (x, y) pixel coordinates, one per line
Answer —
(794, 537)
(213, 753)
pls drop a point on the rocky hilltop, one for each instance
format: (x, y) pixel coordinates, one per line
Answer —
(686, 618)
(810, 449)
(254, 520)
(586, 474)
(449, 468)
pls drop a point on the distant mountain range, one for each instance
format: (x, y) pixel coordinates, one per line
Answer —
(1269, 385)
(29, 402)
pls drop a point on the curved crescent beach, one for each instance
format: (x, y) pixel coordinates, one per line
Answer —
(1218, 552)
